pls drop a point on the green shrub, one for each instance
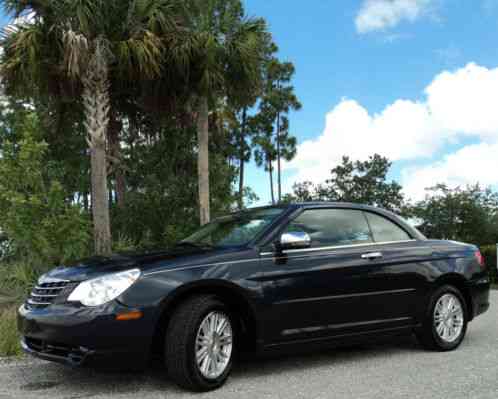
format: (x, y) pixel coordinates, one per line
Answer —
(38, 217)
(489, 253)
(123, 244)
(9, 339)
(16, 281)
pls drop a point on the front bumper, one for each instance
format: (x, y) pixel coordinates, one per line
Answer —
(80, 336)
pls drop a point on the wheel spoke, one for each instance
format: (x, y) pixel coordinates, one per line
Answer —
(438, 318)
(202, 340)
(226, 340)
(205, 365)
(221, 327)
(212, 321)
(449, 304)
(201, 354)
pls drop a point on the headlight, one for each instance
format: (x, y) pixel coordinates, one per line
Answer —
(104, 289)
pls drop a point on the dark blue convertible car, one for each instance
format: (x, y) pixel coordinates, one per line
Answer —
(262, 279)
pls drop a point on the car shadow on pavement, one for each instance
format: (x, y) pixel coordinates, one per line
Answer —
(317, 357)
(45, 379)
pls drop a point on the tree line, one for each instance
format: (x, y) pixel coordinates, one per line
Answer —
(139, 115)
(468, 214)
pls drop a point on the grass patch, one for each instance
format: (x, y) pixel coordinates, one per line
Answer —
(9, 339)
(16, 281)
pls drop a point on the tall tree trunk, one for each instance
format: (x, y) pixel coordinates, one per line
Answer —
(279, 167)
(114, 130)
(96, 103)
(270, 172)
(242, 155)
(203, 159)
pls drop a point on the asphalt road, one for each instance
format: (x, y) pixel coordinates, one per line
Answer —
(398, 369)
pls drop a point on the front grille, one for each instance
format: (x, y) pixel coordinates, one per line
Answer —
(45, 294)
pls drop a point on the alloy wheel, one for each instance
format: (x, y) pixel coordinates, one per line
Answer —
(213, 345)
(448, 318)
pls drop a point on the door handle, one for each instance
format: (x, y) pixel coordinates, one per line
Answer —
(372, 255)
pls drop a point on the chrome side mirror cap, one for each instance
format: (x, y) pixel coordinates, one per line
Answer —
(295, 240)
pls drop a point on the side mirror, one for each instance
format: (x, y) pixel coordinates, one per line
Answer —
(294, 240)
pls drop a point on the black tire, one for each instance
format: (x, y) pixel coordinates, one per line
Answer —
(427, 334)
(181, 334)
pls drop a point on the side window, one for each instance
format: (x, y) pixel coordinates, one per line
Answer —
(384, 230)
(333, 227)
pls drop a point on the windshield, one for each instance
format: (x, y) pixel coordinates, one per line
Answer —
(234, 230)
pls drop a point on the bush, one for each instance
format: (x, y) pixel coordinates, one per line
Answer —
(9, 338)
(17, 279)
(38, 217)
(489, 253)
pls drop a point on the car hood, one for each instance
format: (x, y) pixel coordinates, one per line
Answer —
(167, 260)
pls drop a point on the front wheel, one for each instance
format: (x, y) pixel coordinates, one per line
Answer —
(199, 344)
(445, 322)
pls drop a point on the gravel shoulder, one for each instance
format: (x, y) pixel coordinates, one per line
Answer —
(398, 369)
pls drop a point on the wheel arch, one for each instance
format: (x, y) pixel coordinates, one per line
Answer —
(232, 295)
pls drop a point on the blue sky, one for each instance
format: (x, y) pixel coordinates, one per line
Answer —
(414, 80)
(395, 52)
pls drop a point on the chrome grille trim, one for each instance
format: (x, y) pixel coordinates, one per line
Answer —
(45, 293)
(48, 288)
(31, 302)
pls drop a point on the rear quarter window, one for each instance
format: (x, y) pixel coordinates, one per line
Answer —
(384, 230)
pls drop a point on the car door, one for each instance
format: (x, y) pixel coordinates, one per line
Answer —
(402, 268)
(342, 284)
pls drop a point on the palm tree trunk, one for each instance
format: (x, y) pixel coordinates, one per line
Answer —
(270, 171)
(203, 159)
(279, 167)
(242, 148)
(100, 209)
(96, 103)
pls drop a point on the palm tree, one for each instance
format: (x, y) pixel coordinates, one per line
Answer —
(225, 52)
(78, 46)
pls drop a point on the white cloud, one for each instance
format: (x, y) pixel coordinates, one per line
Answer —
(472, 164)
(383, 14)
(457, 105)
(350, 130)
(465, 100)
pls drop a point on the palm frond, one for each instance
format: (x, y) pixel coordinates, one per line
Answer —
(141, 54)
(76, 52)
(23, 56)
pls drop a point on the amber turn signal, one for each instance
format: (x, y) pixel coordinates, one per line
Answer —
(133, 315)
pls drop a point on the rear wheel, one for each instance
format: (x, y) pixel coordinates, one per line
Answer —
(199, 344)
(445, 322)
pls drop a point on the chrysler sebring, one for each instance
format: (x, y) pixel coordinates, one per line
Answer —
(262, 279)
